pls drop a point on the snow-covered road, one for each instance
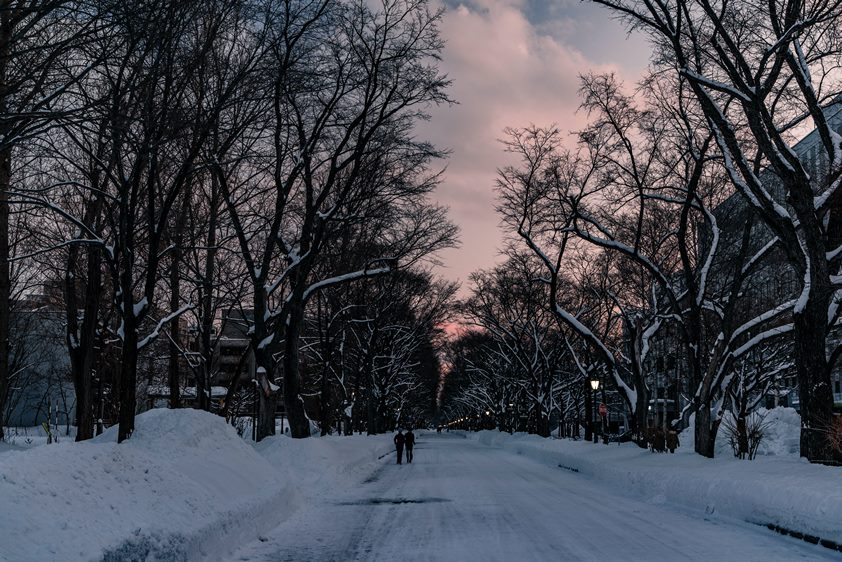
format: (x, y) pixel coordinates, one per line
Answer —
(460, 500)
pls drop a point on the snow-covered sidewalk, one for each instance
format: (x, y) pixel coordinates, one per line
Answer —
(784, 491)
(184, 487)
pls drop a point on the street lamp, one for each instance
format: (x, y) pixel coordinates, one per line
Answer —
(594, 387)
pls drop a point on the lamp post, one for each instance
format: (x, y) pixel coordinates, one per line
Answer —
(594, 387)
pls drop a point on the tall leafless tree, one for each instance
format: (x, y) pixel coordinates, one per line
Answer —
(759, 71)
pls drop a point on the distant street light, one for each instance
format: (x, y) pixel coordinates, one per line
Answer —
(595, 384)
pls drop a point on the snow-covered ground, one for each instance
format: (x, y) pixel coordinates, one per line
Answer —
(184, 487)
(779, 489)
(463, 500)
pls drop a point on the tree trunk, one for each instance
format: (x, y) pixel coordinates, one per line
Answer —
(267, 397)
(173, 375)
(266, 414)
(327, 349)
(371, 411)
(704, 435)
(82, 355)
(588, 412)
(638, 420)
(84, 395)
(542, 423)
(299, 425)
(207, 304)
(5, 279)
(325, 401)
(7, 29)
(128, 378)
(265, 364)
(816, 397)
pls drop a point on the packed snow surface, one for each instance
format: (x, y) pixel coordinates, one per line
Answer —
(465, 500)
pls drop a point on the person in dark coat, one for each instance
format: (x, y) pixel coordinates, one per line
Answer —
(409, 440)
(672, 440)
(399, 442)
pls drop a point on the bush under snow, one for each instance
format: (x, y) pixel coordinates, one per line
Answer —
(781, 436)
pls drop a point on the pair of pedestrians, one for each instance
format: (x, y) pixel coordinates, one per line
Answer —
(401, 441)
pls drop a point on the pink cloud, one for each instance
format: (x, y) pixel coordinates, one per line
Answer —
(506, 71)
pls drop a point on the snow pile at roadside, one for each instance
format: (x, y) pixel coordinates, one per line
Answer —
(785, 491)
(184, 487)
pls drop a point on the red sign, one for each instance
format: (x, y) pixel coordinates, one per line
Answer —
(603, 410)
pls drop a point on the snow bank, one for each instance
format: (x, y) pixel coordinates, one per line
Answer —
(184, 487)
(785, 491)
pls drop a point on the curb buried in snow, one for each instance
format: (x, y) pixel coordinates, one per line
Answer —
(812, 539)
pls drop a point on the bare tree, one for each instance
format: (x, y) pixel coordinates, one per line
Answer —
(154, 116)
(637, 171)
(38, 70)
(533, 199)
(348, 84)
(758, 71)
(509, 302)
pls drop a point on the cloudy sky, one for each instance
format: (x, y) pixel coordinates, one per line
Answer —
(513, 62)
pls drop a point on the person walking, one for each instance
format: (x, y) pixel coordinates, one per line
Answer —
(672, 440)
(399, 443)
(409, 440)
